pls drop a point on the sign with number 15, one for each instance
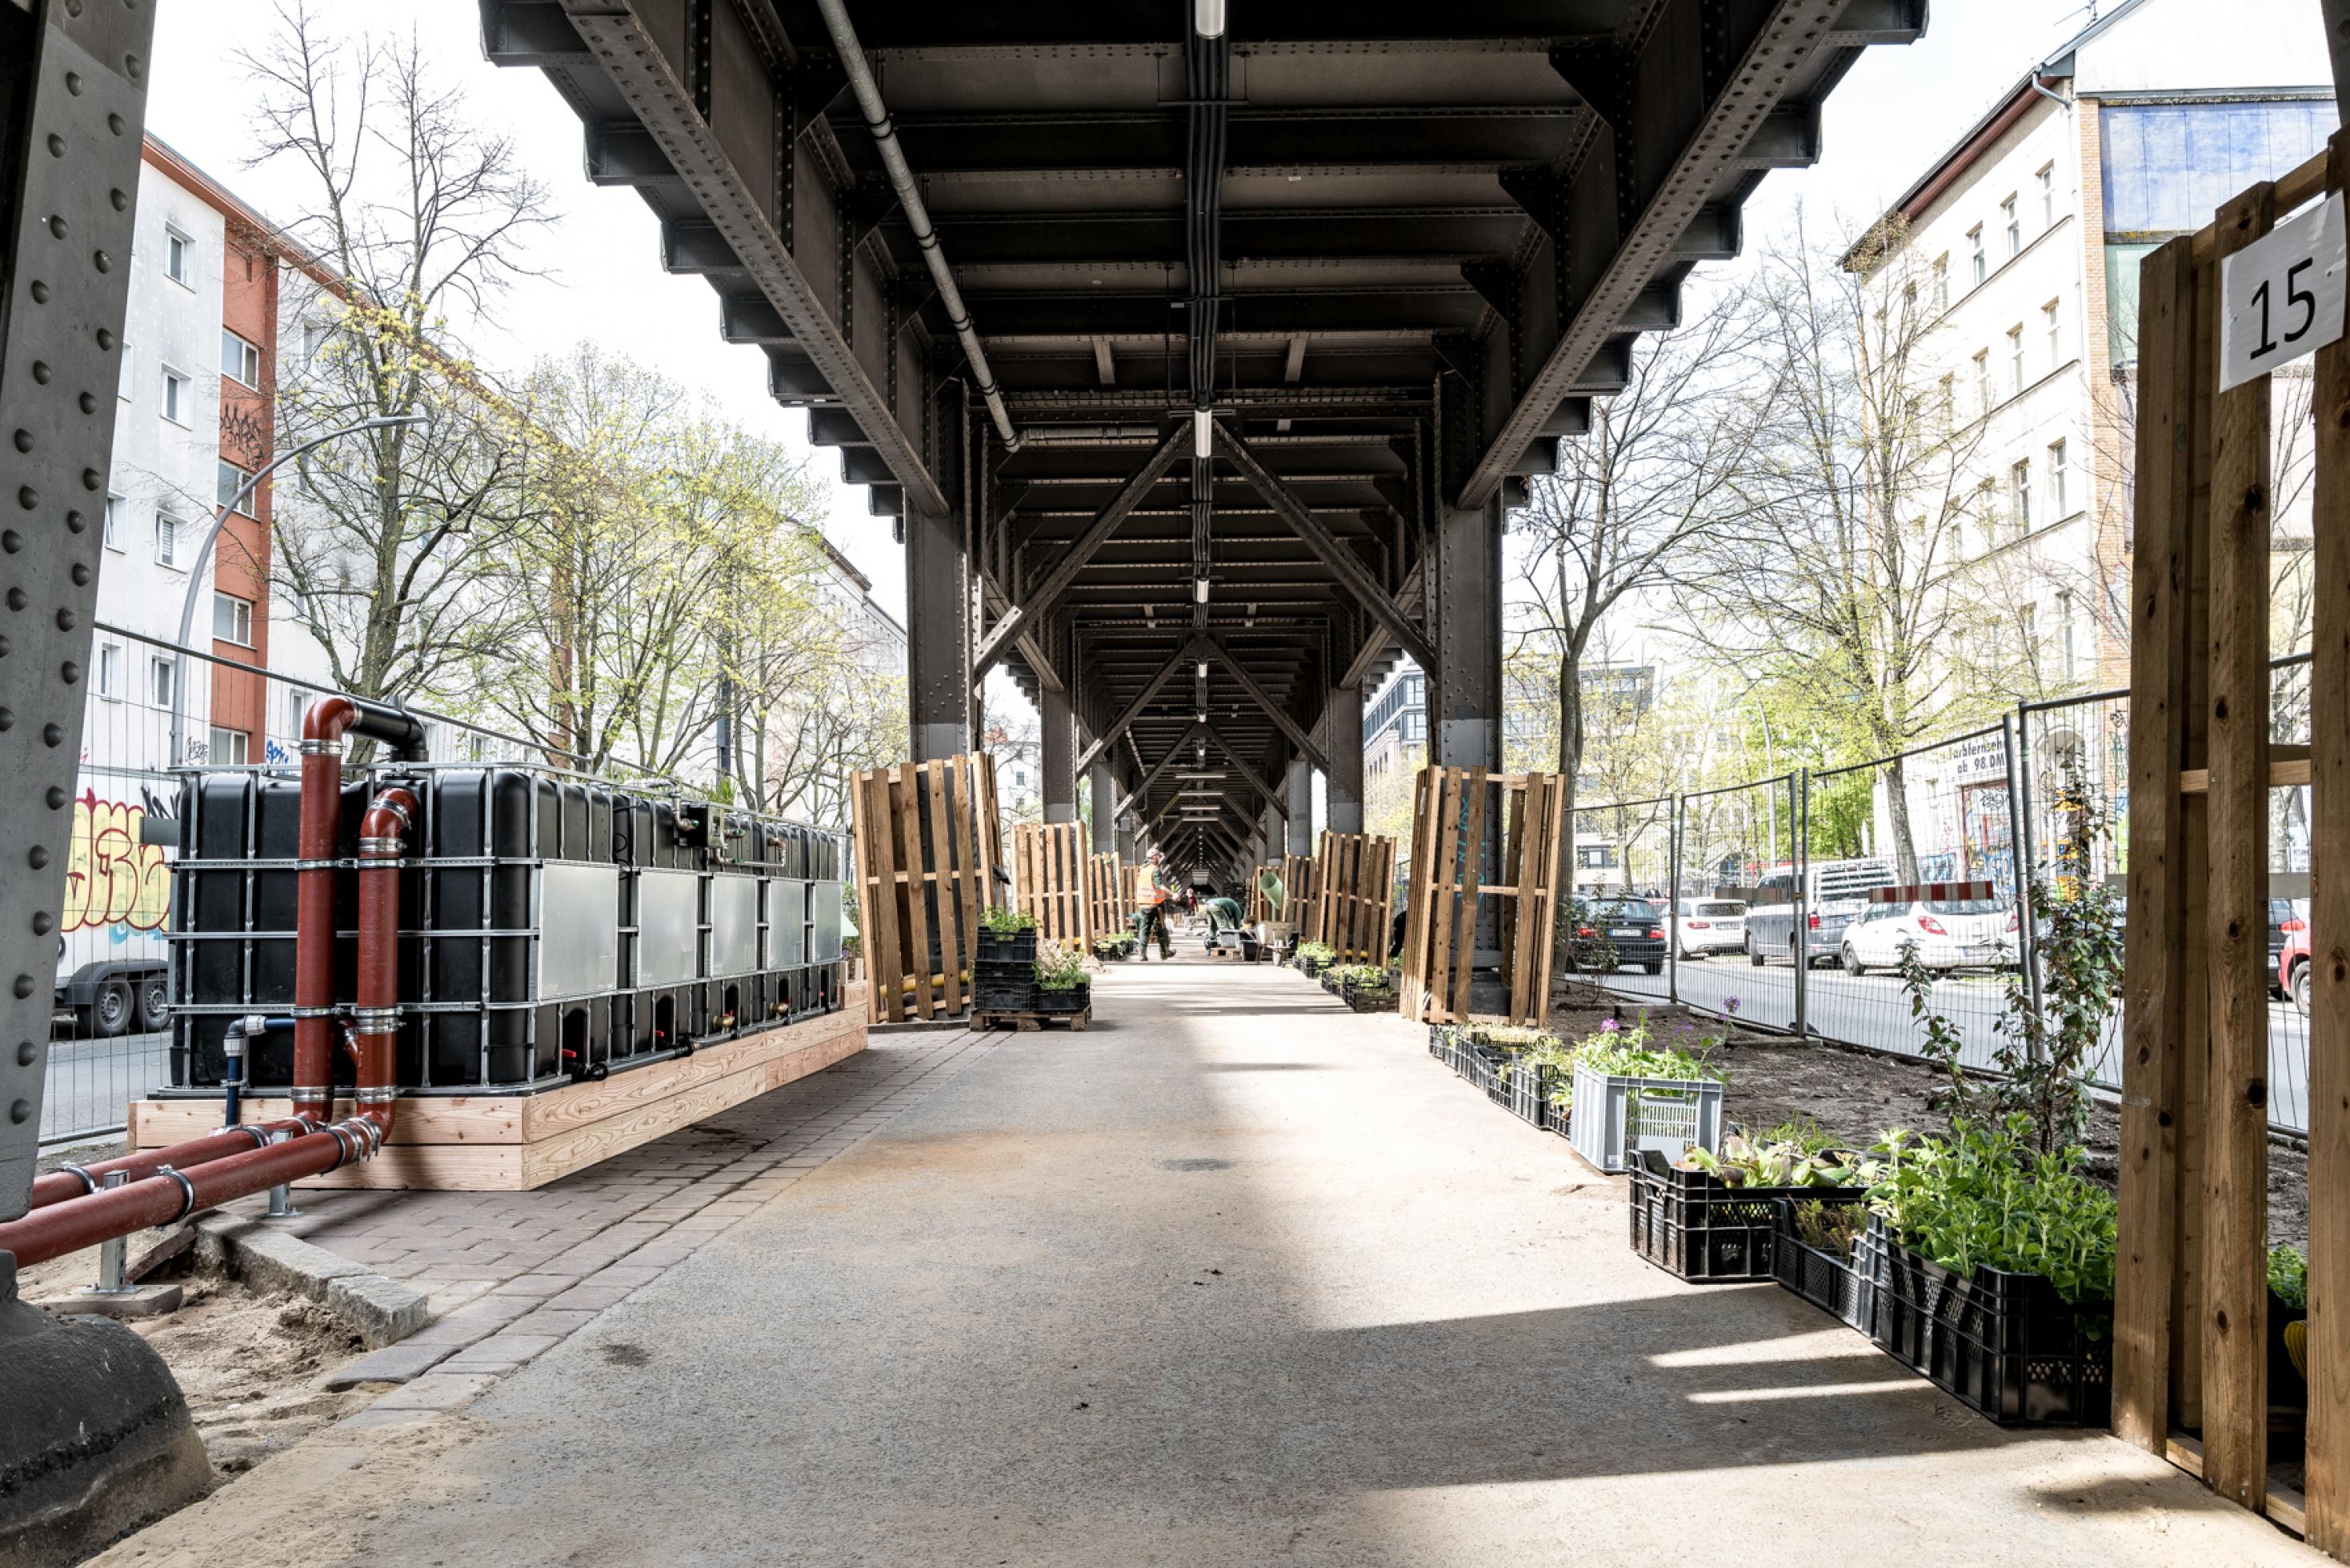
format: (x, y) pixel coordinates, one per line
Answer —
(2282, 295)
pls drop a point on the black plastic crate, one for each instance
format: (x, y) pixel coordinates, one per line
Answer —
(1698, 1228)
(2006, 1346)
(1844, 1288)
(1002, 996)
(1007, 946)
(1076, 1000)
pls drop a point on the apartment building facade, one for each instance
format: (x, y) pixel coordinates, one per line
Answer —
(2022, 244)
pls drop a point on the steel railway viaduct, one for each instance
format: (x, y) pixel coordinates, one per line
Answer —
(1197, 355)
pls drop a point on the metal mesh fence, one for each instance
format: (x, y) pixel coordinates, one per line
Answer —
(152, 707)
(1790, 902)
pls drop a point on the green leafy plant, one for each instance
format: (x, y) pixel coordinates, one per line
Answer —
(1006, 921)
(1831, 1228)
(2046, 1046)
(1636, 1052)
(1362, 976)
(1982, 1198)
(1061, 969)
(1803, 1132)
(1315, 952)
(2289, 1275)
(1741, 1162)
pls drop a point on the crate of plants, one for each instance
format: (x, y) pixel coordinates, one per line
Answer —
(1062, 986)
(1713, 1215)
(1997, 1279)
(1001, 980)
(1313, 958)
(1117, 947)
(1365, 987)
(2288, 1326)
(1829, 1254)
(1636, 1089)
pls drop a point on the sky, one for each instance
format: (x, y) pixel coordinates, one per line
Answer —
(1896, 109)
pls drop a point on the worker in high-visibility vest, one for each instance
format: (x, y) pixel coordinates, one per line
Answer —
(1152, 890)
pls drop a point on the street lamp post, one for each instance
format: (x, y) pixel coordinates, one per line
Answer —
(205, 553)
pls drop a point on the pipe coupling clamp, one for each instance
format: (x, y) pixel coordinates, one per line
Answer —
(374, 1020)
(311, 1091)
(187, 1194)
(380, 847)
(382, 1096)
(88, 1182)
(333, 748)
(326, 1011)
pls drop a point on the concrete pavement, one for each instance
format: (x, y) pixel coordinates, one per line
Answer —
(1234, 1277)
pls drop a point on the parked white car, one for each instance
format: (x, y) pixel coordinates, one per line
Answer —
(1946, 933)
(1710, 926)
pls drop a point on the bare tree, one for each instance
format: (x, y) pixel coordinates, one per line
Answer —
(418, 215)
(1860, 504)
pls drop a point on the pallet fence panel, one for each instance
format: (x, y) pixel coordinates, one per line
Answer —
(1108, 910)
(1049, 858)
(926, 842)
(1354, 879)
(2192, 1302)
(1417, 909)
(1450, 809)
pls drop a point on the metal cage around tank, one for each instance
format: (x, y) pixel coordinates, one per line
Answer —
(553, 926)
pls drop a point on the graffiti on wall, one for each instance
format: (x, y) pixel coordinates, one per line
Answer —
(112, 879)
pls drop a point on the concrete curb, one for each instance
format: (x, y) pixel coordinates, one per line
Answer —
(380, 1310)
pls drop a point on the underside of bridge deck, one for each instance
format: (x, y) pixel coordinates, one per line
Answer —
(1197, 356)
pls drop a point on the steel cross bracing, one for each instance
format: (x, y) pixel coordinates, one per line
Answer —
(1395, 248)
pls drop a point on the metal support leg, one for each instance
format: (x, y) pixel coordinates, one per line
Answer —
(73, 79)
(112, 1253)
(937, 639)
(1342, 742)
(281, 1196)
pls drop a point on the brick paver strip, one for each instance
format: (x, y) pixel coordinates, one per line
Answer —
(541, 1265)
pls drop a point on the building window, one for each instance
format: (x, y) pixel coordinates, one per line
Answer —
(2029, 624)
(2015, 354)
(1981, 263)
(231, 488)
(2012, 225)
(109, 671)
(1946, 403)
(160, 673)
(168, 530)
(2067, 658)
(176, 403)
(2060, 480)
(1986, 516)
(230, 748)
(114, 509)
(2048, 196)
(297, 703)
(240, 361)
(1596, 856)
(232, 619)
(2019, 496)
(1942, 281)
(1982, 379)
(123, 384)
(175, 256)
(2054, 327)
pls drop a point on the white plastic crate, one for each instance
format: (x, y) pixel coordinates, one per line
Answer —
(1615, 1118)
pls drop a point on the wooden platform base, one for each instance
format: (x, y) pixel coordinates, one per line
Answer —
(515, 1143)
(1074, 1022)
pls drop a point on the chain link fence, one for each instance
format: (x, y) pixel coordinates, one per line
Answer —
(1790, 902)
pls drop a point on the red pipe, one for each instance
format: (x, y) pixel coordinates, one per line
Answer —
(75, 1180)
(164, 1193)
(324, 725)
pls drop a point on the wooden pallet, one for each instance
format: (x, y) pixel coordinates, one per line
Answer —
(1074, 1022)
(1049, 874)
(929, 854)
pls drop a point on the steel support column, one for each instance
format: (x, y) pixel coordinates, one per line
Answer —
(1056, 751)
(938, 636)
(72, 101)
(1342, 741)
(1103, 789)
(1301, 807)
(1465, 689)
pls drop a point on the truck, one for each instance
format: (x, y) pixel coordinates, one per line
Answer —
(1833, 892)
(113, 958)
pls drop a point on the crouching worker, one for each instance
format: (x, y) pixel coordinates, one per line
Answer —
(1224, 915)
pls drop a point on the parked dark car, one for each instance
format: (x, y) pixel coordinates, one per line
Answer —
(1633, 928)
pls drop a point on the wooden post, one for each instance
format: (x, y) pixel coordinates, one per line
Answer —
(2327, 1460)
(2235, 1240)
(2154, 1047)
